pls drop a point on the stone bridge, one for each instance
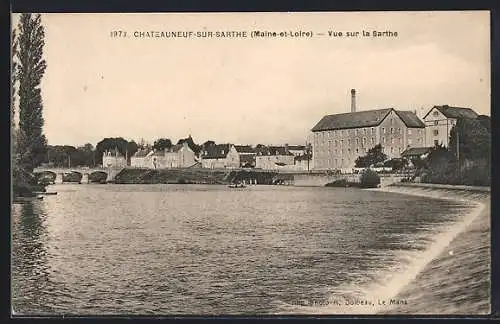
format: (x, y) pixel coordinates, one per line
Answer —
(85, 172)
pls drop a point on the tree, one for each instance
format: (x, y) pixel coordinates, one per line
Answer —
(474, 138)
(162, 144)
(373, 156)
(13, 80)
(30, 69)
(192, 145)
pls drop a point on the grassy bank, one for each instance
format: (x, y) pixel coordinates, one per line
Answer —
(190, 176)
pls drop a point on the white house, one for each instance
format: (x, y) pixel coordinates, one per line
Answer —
(220, 156)
(439, 121)
(178, 156)
(113, 158)
(142, 159)
(274, 158)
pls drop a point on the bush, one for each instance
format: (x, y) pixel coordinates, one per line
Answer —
(369, 179)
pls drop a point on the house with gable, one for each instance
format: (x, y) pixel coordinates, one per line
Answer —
(220, 156)
(439, 121)
(274, 158)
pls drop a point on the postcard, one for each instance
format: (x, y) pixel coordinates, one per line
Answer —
(258, 164)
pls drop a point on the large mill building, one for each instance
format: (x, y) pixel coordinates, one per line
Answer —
(339, 139)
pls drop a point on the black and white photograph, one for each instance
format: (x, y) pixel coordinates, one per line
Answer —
(253, 163)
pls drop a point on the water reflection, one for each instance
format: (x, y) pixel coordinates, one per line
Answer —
(30, 273)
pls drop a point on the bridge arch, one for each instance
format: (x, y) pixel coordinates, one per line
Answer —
(98, 176)
(46, 176)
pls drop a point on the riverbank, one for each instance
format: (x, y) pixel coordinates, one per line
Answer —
(456, 281)
(193, 176)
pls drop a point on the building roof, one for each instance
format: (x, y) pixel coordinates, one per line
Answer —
(455, 112)
(303, 157)
(244, 149)
(410, 119)
(296, 147)
(218, 151)
(273, 150)
(142, 153)
(366, 118)
(416, 151)
(176, 147)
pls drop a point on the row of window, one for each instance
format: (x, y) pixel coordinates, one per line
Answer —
(390, 149)
(364, 131)
(334, 162)
(364, 141)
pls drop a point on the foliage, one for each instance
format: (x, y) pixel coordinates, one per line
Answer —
(162, 144)
(369, 179)
(373, 156)
(30, 69)
(13, 80)
(474, 138)
(396, 164)
(192, 145)
(69, 156)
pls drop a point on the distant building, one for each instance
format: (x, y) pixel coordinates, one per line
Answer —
(246, 156)
(113, 158)
(274, 158)
(142, 159)
(338, 140)
(304, 162)
(297, 150)
(178, 156)
(416, 152)
(220, 156)
(439, 121)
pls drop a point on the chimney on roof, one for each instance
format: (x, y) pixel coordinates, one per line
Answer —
(353, 100)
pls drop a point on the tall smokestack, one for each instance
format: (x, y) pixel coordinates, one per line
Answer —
(353, 100)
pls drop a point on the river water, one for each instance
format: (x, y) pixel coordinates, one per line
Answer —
(212, 250)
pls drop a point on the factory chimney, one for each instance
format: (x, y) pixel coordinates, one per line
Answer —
(353, 100)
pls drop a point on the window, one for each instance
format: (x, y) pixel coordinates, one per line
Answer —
(364, 141)
(356, 131)
(436, 122)
(435, 113)
(341, 142)
(435, 132)
(399, 130)
(436, 142)
(336, 143)
(392, 149)
(383, 140)
(357, 141)
(383, 130)
(364, 131)
(392, 130)
(392, 140)
(373, 130)
(373, 140)
(357, 150)
(409, 131)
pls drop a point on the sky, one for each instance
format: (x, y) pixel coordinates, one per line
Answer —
(252, 90)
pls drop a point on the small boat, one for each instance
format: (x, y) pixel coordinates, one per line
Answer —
(47, 193)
